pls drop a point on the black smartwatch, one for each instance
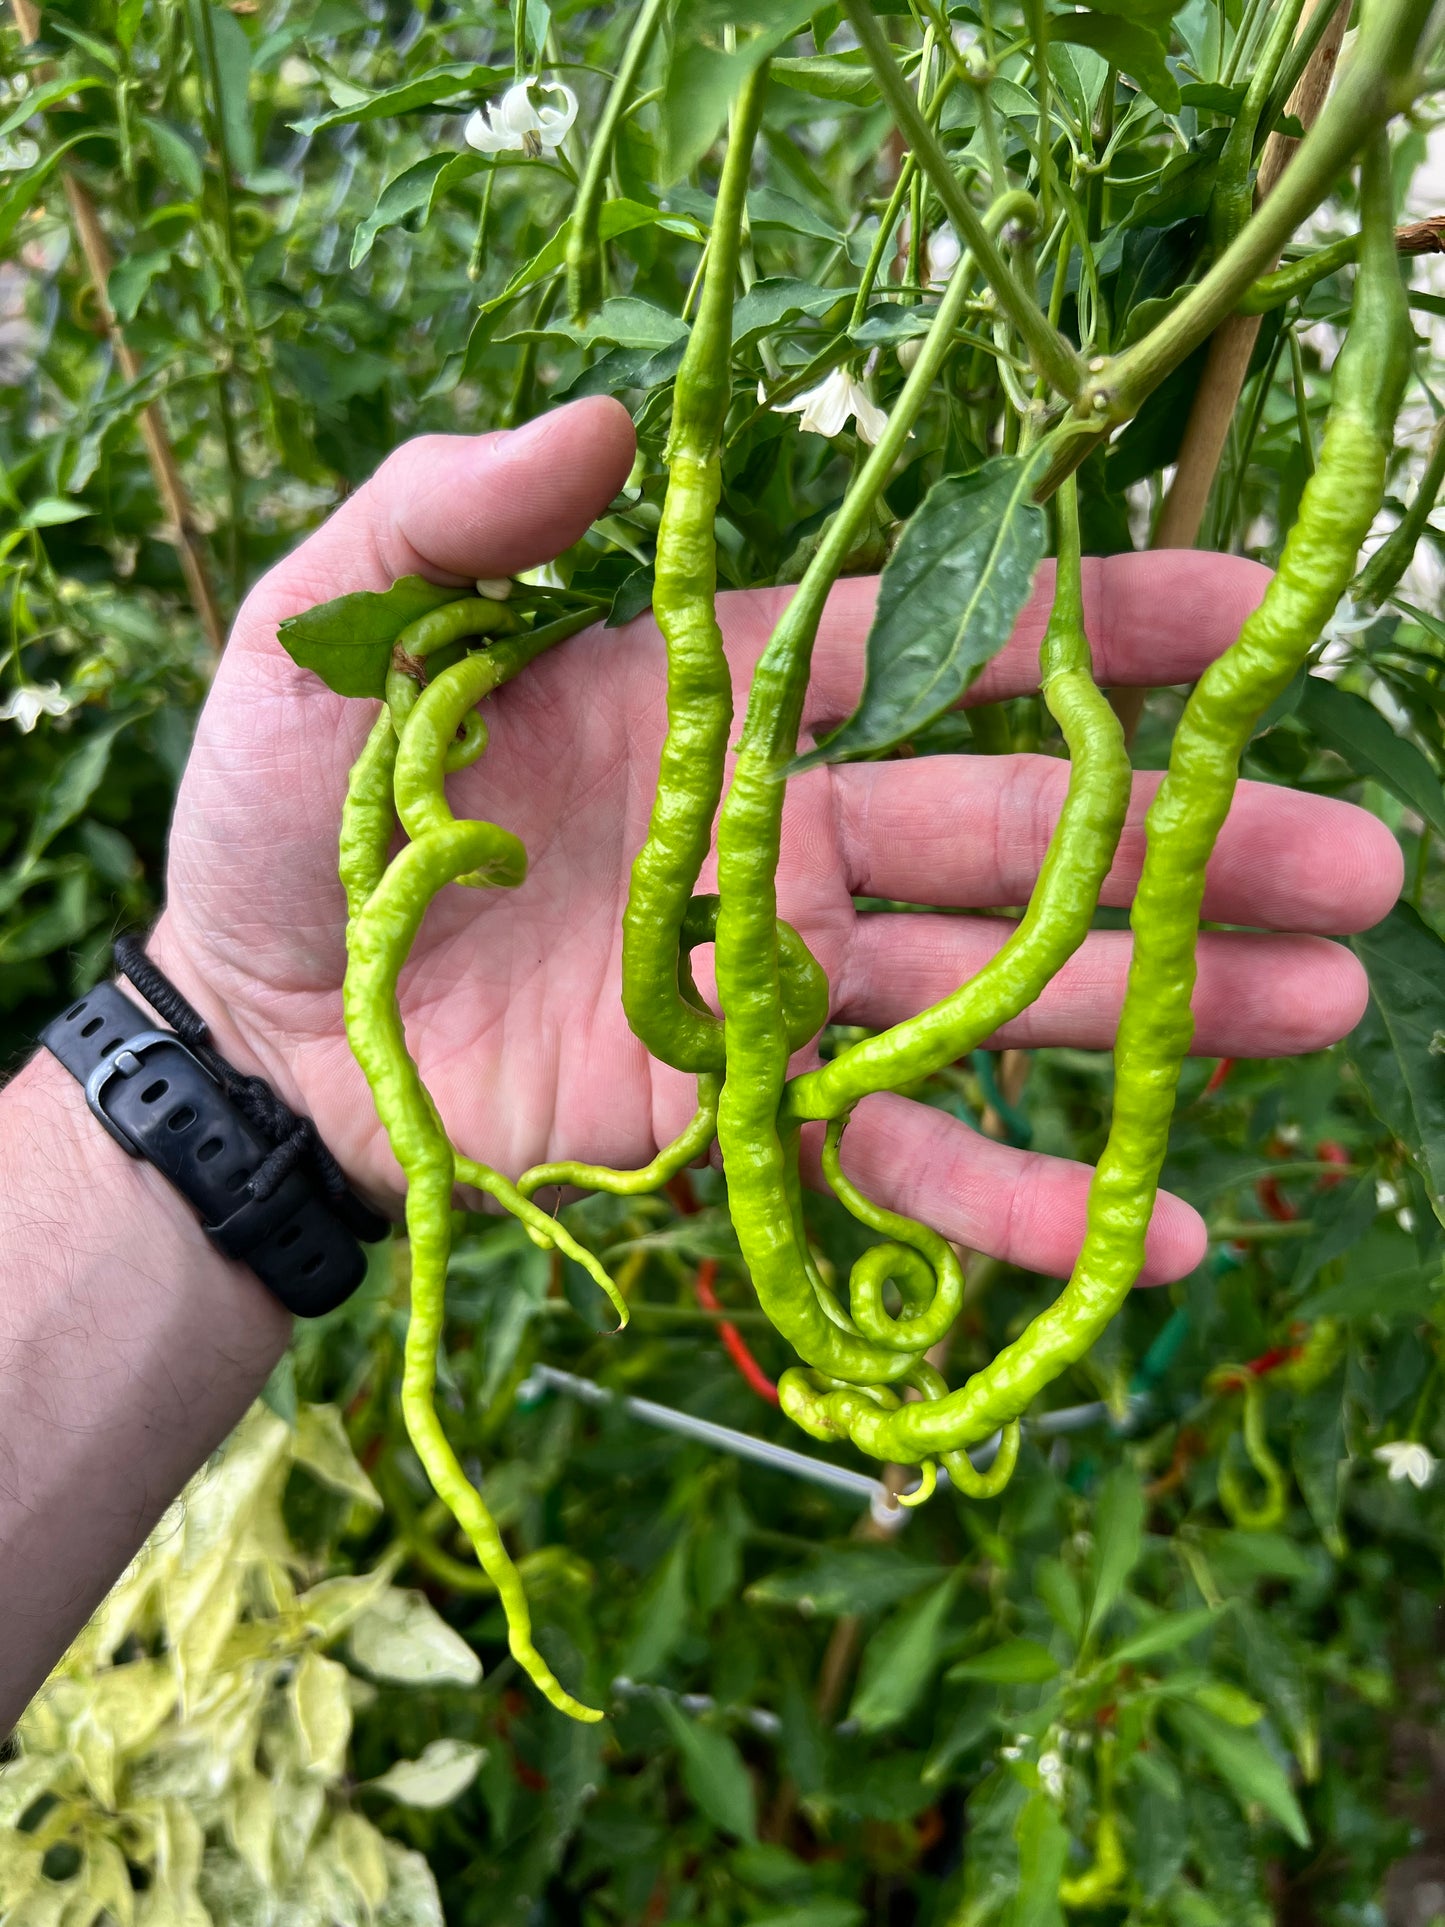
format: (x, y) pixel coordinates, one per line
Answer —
(267, 1190)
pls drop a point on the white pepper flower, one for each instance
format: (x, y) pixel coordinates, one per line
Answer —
(24, 707)
(825, 410)
(1408, 1460)
(514, 124)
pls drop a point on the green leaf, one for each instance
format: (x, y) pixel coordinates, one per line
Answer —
(1398, 1048)
(845, 76)
(1162, 1635)
(418, 187)
(1118, 1540)
(770, 303)
(39, 99)
(175, 156)
(702, 77)
(624, 319)
(1244, 1763)
(712, 1771)
(1355, 730)
(617, 217)
(947, 602)
(74, 782)
(24, 190)
(814, 1913)
(1385, 1277)
(348, 642)
(1129, 47)
(51, 511)
(1043, 1844)
(1015, 1662)
(848, 1580)
(131, 278)
(464, 78)
(900, 1659)
(233, 75)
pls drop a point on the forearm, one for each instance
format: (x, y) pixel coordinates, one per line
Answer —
(128, 1349)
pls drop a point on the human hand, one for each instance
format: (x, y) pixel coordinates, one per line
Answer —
(511, 997)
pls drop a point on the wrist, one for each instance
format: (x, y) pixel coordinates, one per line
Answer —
(132, 1348)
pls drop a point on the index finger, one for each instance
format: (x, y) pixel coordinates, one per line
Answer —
(1155, 618)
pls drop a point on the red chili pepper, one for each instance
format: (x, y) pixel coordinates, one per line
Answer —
(1218, 1074)
(734, 1342)
(683, 1196)
(1275, 1203)
(1328, 1151)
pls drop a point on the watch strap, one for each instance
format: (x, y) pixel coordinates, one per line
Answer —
(160, 1102)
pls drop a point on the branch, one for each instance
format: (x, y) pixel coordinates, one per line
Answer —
(1053, 356)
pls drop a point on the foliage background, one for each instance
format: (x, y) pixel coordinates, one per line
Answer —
(817, 1720)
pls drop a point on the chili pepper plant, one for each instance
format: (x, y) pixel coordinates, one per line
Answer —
(1142, 1625)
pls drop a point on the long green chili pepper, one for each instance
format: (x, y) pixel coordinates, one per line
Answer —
(584, 244)
(1233, 198)
(760, 1157)
(699, 686)
(1249, 1514)
(1155, 1026)
(689, 1145)
(438, 629)
(1381, 574)
(1062, 906)
(380, 937)
(368, 816)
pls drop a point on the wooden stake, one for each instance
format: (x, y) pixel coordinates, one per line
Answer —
(180, 529)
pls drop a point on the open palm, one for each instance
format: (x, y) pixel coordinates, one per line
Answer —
(511, 998)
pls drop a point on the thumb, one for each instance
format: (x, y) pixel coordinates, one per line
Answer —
(455, 507)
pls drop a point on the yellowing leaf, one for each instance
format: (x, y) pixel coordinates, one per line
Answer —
(357, 1850)
(321, 1445)
(327, 1609)
(322, 1712)
(444, 1769)
(251, 1824)
(402, 1637)
(412, 1899)
(132, 1701)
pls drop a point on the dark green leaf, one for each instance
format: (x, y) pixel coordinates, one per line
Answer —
(712, 1771)
(1133, 49)
(617, 217)
(419, 187)
(1043, 1842)
(1016, 1662)
(1355, 730)
(1162, 1635)
(74, 782)
(845, 76)
(947, 602)
(348, 642)
(1398, 1048)
(1384, 1277)
(1244, 1763)
(462, 82)
(848, 1580)
(900, 1659)
(1118, 1541)
(233, 76)
(130, 281)
(769, 304)
(703, 77)
(175, 156)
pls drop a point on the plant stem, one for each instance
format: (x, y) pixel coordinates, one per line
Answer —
(1390, 561)
(1052, 354)
(586, 270)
